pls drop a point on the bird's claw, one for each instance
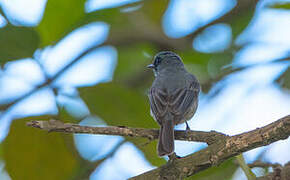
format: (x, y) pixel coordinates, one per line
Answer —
(172, 157)
(187, 130)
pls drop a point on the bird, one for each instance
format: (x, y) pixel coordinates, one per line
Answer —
(173, 97)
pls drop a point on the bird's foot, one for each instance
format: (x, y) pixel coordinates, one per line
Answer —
(187, 130)
(172, 157)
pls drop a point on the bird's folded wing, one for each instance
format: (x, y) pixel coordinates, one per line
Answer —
(158, 102)
(183, 99)
(177, 103)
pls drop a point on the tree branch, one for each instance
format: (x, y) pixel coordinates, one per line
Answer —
(220, 151)
(58, 126)
(221, 147)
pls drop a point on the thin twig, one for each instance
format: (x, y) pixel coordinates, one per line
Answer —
(263, 164)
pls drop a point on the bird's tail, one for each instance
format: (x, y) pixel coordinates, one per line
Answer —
(166, 137)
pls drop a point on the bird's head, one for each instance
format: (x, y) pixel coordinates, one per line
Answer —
(165, 59)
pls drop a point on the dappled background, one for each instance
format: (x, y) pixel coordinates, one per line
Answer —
(84, 62)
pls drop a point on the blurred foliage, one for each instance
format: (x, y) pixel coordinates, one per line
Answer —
(58, 20)
(137, 35)
(239, 21)
(1, 152)
(285, 5)
(132, 61)
(35, 154)
(17, 43)
(127, 105)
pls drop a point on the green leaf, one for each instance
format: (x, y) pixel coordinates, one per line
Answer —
(248, 172)
(60, 18)
(17, 43)
(240, 23)
(34, 154)
(223, 171)
(121, 106)
(281, 6)
(241, 19)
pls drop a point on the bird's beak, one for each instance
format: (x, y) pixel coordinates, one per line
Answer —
(151, 66)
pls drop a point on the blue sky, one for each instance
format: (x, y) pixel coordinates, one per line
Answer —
(250, 99)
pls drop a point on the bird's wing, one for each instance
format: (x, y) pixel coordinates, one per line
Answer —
(158, 102)
(184, 98)
(178, 103)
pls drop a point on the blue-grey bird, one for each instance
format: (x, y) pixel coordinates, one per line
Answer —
(173, 97)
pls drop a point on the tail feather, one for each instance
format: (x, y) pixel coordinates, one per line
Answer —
(166, 138)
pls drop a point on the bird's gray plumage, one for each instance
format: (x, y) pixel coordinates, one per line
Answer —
(173, 97)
